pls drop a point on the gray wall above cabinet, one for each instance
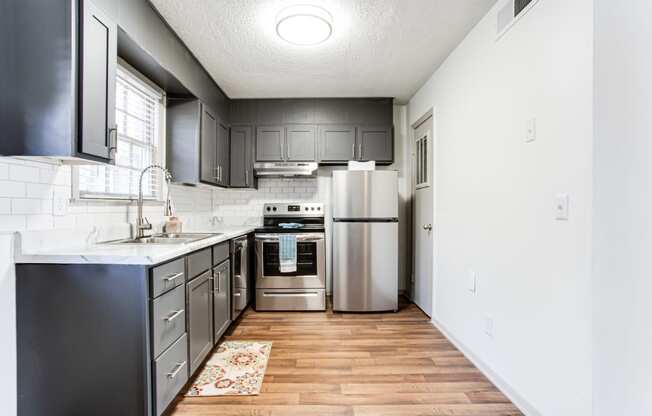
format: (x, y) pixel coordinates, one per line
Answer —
(145, 27)
(358, 111)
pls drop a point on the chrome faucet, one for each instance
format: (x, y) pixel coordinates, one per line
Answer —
(142, 223)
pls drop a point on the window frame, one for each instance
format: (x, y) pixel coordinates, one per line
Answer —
(160, 157)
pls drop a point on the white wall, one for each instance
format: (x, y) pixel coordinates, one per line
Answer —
(495, 201)
(622, 231)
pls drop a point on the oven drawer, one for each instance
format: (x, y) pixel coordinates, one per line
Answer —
(290, 299)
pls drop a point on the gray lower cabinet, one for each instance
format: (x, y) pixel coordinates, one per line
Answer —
(242, 146)
(337, 143)
(270, 141)
(221, 299)
(144, 329)
(375, 143)
(168, 319)
(300, 142)
(200, 319)
(170, 373)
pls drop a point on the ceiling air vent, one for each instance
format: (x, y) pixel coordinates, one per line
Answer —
(511, 11)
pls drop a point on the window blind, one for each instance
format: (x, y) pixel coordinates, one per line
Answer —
(138, 116)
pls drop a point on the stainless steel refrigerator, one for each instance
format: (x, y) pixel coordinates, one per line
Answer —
(365, 241)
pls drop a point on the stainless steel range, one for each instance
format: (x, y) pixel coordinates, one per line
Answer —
(305, 288)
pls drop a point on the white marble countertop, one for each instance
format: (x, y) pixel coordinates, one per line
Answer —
(99, 253)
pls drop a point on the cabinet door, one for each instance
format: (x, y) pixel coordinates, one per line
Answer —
(99, 57)
(241, 160)
(200, 319)
(222, 156)
(269, 143)
(300, 143)
(375, 143)
(208, 146)
(337, 143)
(221, 299)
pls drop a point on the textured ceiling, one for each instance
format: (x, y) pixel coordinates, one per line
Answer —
(379, 48)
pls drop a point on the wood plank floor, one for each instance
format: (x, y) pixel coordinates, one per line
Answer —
(334, 364)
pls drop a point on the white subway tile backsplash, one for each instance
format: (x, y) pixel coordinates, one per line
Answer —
(39, 190)
(12, 189)
(5, 206)
(12, 222)
(4, 171)
(40, 222)
(21, 206)
(24, 173)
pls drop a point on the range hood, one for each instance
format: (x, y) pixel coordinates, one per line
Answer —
(285, 169)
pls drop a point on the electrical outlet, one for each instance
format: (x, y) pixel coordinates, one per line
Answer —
(473, 282)
(489, 326)
(531, 130)
(59, 205)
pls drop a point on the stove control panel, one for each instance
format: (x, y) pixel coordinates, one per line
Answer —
(294, 210)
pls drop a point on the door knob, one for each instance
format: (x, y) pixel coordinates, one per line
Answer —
(427, 227)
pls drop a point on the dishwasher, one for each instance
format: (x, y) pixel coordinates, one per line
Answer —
(241, 292)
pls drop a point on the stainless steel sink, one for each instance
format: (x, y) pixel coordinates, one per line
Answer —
(182, 238)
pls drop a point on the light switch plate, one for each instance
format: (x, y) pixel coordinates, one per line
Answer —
(561, 207)
(531, 130)
(489, 326)
(473, 282)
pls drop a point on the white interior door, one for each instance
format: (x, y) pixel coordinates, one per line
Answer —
(422, 284)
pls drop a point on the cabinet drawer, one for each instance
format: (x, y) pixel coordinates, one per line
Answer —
(171, 372)
(198, 263)
(220, 253)
(167, 276)
(168, 319)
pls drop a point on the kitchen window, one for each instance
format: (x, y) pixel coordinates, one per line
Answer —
(140, 113)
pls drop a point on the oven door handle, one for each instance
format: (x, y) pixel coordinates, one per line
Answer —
(290, 294)
(268, 238)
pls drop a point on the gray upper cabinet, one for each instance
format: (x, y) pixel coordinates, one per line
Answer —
(58, 80)
(300, 143)
(223, 155)
(197, 143)
(375, 143)
(241, 157)
(330, 130)
(221, 299)
(99, 39)
(208, 147)
(337, 143)
(270, 143)
(200, 319)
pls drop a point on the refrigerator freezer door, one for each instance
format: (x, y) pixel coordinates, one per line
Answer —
(365, 194)
(365, 266)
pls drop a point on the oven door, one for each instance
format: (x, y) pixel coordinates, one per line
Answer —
(311, 263)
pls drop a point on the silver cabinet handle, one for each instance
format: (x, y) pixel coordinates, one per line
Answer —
(360, 150)
(427, 227)
(236, 294)
(353, 151)
(176, 371)
(219, 277)
(246, 177)
(113, 142)
(281, 146)
(174, 315)
(172, 277)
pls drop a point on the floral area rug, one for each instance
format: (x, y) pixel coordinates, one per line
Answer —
(236, 368)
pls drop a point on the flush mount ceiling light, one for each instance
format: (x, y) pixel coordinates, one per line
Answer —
(304, 25)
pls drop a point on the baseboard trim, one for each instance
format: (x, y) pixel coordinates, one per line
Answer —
(502, 385)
